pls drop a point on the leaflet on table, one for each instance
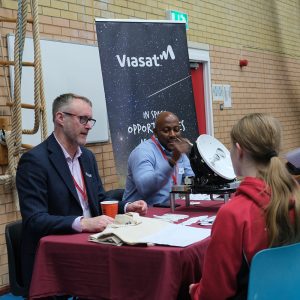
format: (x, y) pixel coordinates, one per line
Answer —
(207, 221)
(177, 235)
(149, 230)
(194, 220)
(201, 197)
(171, 217)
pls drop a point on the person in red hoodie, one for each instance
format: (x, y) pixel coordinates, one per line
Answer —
(264, 212)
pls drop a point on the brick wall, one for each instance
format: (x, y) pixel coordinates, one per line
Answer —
(264, 32)
(270, 83)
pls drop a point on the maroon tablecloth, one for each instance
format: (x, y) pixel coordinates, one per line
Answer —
(70, 264)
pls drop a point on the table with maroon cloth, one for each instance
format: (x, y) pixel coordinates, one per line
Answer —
(70, 264)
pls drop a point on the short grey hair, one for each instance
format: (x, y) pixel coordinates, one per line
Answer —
(66, 99)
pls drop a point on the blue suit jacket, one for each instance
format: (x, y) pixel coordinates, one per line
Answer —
(48, 198)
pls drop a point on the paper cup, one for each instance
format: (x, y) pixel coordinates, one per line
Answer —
(109, 208)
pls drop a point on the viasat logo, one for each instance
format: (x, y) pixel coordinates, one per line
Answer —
(145, 61)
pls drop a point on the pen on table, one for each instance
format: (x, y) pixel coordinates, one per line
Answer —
(205, 223)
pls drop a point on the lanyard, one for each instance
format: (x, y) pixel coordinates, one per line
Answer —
(174, 176)
(82, 190)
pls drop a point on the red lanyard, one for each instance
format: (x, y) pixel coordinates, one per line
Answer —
(174, 176)
(82, 190)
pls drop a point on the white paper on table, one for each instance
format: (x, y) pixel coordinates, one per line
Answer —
(193, 220)
(201, 197)
(208, 221)
(171, 217)
(177, 235)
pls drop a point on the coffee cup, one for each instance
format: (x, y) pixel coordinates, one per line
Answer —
(109, 208)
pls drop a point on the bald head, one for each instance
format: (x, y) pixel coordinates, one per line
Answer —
(163, 116)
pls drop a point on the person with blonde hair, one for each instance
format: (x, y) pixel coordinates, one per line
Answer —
(264, 212)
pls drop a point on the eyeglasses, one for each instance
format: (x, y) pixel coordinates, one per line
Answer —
(82, 119)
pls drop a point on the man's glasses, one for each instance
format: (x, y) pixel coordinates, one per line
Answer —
(82, 119)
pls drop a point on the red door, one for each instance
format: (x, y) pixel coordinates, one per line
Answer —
(198, 89)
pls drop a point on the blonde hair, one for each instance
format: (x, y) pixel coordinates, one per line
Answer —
(260, 135)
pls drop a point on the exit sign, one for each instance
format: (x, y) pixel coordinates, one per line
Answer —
(178, 16)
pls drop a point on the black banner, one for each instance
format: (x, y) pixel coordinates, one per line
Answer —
(145, 70)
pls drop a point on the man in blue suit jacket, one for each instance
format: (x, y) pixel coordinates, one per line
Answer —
(58, 182)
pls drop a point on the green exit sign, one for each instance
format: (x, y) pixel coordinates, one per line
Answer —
(178, 16)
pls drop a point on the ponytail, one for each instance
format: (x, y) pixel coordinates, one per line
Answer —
(285, 194)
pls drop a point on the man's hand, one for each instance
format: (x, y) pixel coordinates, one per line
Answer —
(95, 224)
(181, 145)
(139, 206)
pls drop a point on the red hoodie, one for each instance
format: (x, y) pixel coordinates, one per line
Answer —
(238, 230)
